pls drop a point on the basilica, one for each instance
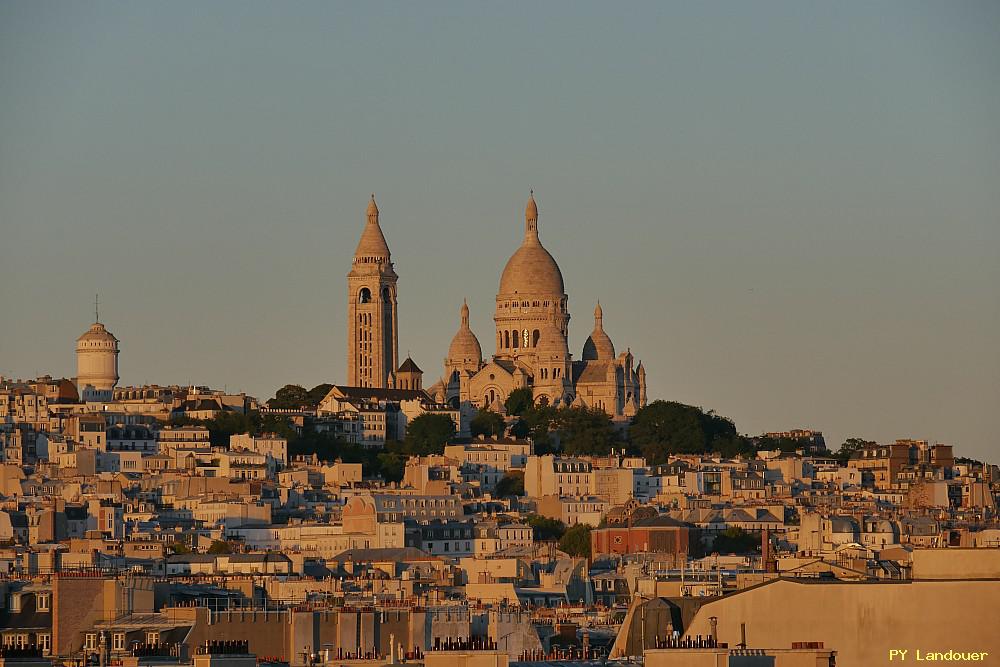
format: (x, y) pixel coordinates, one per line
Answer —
(532, 326)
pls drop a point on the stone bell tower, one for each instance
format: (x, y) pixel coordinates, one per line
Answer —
(372, 328)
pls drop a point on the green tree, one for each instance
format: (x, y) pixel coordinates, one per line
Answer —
(585, 431)
(226, 424)
(546, 528)
(850, 446)
(428, 433)
(511, 484)
(576, 541)
(537, 423)
(180, 548)
(289, 397)
(391, 466)
(518, 401)
(219, 547)
(736, 541)
(487, 422)
(663, 428)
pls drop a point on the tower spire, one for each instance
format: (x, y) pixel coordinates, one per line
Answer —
(531, 219)
(97, 308)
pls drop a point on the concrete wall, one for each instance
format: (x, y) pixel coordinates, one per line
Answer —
(956, 563)
(727, 658)
(513, 632)
(861, 621)
(448, 623)
(77, 603)
(269, 633)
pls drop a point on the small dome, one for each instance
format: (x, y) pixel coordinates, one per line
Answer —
(531, 269)
(465, 346)
(598, 345)
(97, 332)
(551, 342)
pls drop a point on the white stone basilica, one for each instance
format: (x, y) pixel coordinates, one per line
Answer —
(532, 324)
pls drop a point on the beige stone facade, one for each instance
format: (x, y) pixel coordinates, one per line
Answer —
(96, 363)
(372, 323)
(532, 328)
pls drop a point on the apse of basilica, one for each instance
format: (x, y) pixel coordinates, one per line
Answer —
(532, 326)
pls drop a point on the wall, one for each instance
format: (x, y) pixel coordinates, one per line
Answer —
(861, 621)
(954, 563)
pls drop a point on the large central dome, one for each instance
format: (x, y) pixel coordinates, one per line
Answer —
(531, 270)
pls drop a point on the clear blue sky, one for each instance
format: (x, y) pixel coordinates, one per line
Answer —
(790, 211)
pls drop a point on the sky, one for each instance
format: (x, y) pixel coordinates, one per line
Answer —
(790, 211)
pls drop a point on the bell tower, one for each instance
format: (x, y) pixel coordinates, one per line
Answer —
(372, 327)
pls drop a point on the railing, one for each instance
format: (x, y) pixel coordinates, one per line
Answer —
(233, 647)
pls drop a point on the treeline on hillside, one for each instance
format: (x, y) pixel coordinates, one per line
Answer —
(657, 431)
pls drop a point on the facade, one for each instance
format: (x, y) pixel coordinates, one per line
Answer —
(96, 363)
(532, 326)
(372, 323)
(369, 415)
(269, 444)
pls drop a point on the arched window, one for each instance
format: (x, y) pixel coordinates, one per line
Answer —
(535, 335)
(515, 339)
(365, 295)
(506, 339)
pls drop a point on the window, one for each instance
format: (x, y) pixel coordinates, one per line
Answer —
(90, 641)
(43, 602)
(118, 641)
(152, 637)
(45, 642)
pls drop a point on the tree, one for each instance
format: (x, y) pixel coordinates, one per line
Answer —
(576, 541)
(518, 401)
(537, 422)
(391, 466)
(511, 484)
(546, 528)
(663, 428)
(487, 422)
(736, 541)
(289, 397)
(850, 446)
(428, 433)
(180, 548)
(765, 443)
(226, 424)
(585, 431)
(219, 547)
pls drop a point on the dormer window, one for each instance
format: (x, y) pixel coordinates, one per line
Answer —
(43, 601)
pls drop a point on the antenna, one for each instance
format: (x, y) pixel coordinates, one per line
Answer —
(97, 309)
